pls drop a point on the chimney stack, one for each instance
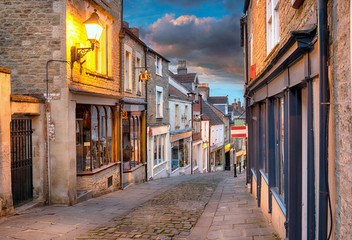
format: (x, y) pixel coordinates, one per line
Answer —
(182, 69)
(125, 24)
(135, 31)
(204, 90)
(239, 104)
(234, 104)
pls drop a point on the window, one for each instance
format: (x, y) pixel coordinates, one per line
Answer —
(279, 120)
(196, 123)
(262, 134)
(159, 102)
(177, 116)
(186, 116)
(138, 70)
(94, 137)
(128, 68)
(272, 24)
(131, 136)
(175, 156)
(158, 65)
(159, 149)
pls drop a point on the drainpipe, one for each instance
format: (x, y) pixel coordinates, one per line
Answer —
(323, 121)
(120, 108)
(146, 50)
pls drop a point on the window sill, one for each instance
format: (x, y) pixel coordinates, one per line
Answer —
(133, 169)
(159, 117)
(159, 164)
(160, 75)
(128, 90)
(139, 93)
(271, 52)
(278, 200)
(264, 176)
(99, 75)
(95, 171)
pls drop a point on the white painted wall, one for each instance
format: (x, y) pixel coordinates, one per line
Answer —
(182, 106)
(217, 135)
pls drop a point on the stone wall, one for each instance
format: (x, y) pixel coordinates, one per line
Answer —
(339, 13)
(98, 182)
(30, 36)
(136, 48)
(6, 205)
(87, 77)
(161, 81)
(290, 19)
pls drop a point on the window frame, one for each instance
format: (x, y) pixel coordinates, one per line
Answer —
(128, 85)
(158, 65)
(272, 24)
(138, 67)
(160, 104)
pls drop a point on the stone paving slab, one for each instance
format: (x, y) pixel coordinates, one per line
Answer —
(234, 213)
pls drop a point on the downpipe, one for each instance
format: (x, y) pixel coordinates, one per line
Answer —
(323, 122)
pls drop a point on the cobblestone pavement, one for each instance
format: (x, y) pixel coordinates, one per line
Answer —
(170, 215)
(205, 206)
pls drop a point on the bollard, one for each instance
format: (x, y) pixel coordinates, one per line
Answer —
(240, 167)
(234, 170)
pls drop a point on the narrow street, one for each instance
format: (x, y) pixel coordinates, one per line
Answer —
(206, 206)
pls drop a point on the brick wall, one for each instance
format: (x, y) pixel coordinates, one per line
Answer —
(161, 81)
(290, 19)
(340, 83)
(136, 48)
(106, 82)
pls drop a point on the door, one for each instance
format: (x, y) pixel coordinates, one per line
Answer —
(21, 160)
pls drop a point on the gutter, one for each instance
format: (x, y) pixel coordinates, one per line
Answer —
(120, 108)
(323, 121)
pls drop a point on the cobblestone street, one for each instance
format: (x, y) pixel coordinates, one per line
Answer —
(207, 206)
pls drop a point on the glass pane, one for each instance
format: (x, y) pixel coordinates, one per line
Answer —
(282, 147)
(103, 131)
(182, 153)
(126, 143)
(187, 151)
(155, 151)
(109, 136)
(95, 138)
(83, 138)
(174, 161)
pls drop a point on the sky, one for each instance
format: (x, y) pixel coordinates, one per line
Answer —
(205, 33)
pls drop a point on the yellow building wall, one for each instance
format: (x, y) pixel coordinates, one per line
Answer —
(278, 218)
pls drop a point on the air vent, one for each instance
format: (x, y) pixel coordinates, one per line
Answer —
(109, 181)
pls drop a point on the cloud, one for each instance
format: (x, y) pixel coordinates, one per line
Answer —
(211, 46)
(185, 3)
(229, 4)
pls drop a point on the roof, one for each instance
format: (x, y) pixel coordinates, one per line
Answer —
(136, 38)
(218, 100)
(209, 114)
(230, 108)
(185, 78)
(176, 93)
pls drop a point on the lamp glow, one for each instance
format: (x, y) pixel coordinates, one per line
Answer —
(94, 27)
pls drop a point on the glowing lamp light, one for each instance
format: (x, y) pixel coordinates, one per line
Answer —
(94, 27)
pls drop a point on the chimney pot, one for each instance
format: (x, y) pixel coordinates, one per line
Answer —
(182, 68)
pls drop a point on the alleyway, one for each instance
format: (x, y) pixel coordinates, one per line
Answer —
(207, 206)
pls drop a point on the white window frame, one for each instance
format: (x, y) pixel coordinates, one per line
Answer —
(158, 66)
(137, 71)
(128, 71)
(272, 24)
(159, 114)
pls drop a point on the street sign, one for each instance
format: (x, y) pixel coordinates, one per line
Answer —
(239, 132)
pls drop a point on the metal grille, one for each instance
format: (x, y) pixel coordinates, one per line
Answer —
(21, 160)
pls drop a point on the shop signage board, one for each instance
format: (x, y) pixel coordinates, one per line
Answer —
(239, 132)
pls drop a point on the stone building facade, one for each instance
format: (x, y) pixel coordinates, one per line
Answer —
(83, 108)
(301, 99)
(158, 148)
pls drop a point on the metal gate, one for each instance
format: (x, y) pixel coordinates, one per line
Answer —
(21, 160)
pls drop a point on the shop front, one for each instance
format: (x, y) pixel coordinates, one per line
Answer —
(133, 143)
(180, 152)
(97, 148)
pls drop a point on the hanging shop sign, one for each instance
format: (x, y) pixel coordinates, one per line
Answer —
(239, 132)
(227, 147)
(145, 76)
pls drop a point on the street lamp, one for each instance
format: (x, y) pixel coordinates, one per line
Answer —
(94, 29)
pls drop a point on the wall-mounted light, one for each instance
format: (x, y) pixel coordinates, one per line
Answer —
(94, 29)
